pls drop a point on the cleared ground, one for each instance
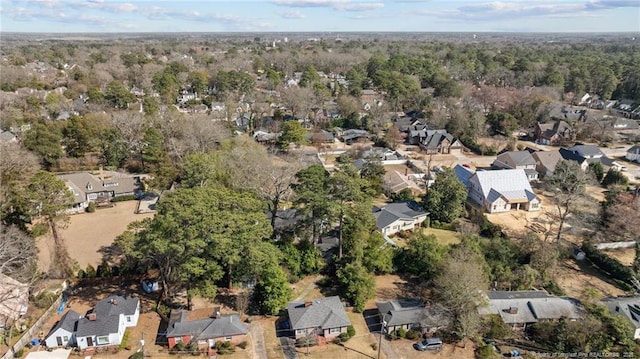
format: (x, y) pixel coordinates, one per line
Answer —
(88, 233)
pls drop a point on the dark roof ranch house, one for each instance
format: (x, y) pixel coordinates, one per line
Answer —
(205, 332)
(400, 216)
(324, 317)
(63, 332)
(517, 159)
(106, 323)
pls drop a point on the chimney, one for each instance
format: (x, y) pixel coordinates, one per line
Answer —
(513, 310)
(307, 304)
(114, 301)
(91, 316)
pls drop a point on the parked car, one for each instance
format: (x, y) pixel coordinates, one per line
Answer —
(428, 344)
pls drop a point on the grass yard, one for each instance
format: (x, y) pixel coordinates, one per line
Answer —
(445, 237)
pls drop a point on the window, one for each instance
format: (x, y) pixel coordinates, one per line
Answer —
(102, 340)
(178, 340)
(128, 319)
(299, 331)
(228, 338)
(334, 330)
(65, 338)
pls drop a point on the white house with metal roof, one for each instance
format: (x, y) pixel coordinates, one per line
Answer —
(500, 190)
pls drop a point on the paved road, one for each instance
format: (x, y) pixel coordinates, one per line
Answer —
(288, 347)
(257, 339)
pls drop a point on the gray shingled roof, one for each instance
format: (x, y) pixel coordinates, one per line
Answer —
(324, 313)
(519, 158)
(634, 150)
(208, 328)
(67, 322)
(395, 211)
(401, 311)
(531, 306)
(587, 150)
(629, 307)
(107, 316)
(547, 159)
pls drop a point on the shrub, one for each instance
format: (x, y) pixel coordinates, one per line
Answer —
(91, 207)
(612, 266)
(39, 229)
(18, 353)
(103, 270)
(44, 299)
(343, 337)
(128, 197)
(351, 331)
(82, 274)
(224, 348)
(374, 346)
(90, 271)
(495, 328)
(306, 342)
(243, 345)
(125, 339)
(137, 355)
(401, 332)
(412, 334)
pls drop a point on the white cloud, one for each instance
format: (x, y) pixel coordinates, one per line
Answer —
(346, 5)
(292, 14)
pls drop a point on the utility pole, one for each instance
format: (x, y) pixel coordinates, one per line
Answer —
(383, 324)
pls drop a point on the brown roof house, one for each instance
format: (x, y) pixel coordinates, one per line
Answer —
(517, 159)
(546, 162)
(555, 133)
(319, 317)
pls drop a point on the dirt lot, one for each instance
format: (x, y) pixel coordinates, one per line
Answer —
(626, 256)
(576, 278)
(87, 233)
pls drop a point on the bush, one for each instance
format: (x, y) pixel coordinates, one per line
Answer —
(401, 332)
(137, 355)
(374, 346)
(103, 270)
(82, 274)
(622, 274)
(125, 339)
(91, 207)
(343, 337)
(128, 197)
(224, 348)
(243, 345)
(306, 342)
(45, 299)
(18, 353)
(351, 331)
(495, 328)
(412, 334)
(90, 271)
(39, 229)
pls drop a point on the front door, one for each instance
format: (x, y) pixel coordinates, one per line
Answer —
(59, 340)
(89, 341)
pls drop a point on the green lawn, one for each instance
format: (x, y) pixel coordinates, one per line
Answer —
(444, 236)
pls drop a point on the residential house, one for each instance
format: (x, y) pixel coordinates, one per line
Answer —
(106, 323)
(401, 216)
(205, 332)
(63, 332)
(321, 136)
(395, 182)
(633, 154)
(14, 300)
(319, 317)
(627, 108)
(555, 133)
(440, 142)
(500, 190)
(405, 313)
(519, 309)
(352, 136)
(266, 137)
(517, 159)
(87, 187)
(589, 152)
(564, 113)
(629, 308)
(546, 162)
(573, 156)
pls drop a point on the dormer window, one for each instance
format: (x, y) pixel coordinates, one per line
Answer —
(89, 186)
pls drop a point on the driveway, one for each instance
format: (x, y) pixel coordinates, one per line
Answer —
(257, 339)
(372, 318)
(288, 347)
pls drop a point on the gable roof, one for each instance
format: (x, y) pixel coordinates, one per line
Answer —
(531, 306)
(208, 328)
(571, 156)
(519, 158)
(324, 313)
(395, 211)
(435, 137)
(547, 159)
(511, 184)
(68, 322)
(107, 313)
(587, 150)
(401, 311)
(463, 173)
(84, 182)
(550, 129)
(634, 150)
(629, 307)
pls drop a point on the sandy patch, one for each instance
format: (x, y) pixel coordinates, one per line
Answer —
(87, 233)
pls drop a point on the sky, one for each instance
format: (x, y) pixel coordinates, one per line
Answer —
(69, 16)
